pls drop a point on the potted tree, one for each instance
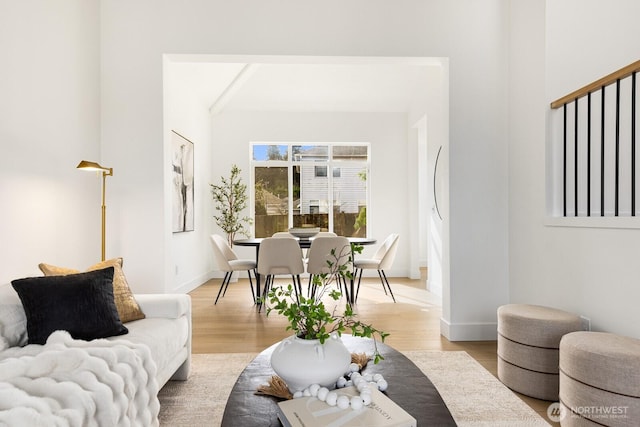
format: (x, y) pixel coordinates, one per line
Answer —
(230, 198)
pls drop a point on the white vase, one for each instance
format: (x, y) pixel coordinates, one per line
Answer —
(301, 362)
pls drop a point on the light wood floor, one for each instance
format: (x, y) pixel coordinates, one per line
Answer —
(235, 326)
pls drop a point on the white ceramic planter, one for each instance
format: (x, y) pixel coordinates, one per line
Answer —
(301, 363)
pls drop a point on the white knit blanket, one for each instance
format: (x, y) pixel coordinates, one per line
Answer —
(69, 382)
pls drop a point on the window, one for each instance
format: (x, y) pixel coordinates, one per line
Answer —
(315, 185)
(314, 206)
(321, 171)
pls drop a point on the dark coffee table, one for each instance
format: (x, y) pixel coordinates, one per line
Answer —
(408, 387)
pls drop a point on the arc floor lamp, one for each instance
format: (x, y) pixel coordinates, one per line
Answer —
(93, 166)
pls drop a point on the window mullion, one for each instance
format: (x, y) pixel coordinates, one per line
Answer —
(330, 190)
(290, 192)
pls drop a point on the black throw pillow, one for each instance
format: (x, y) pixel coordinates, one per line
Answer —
(81, 304)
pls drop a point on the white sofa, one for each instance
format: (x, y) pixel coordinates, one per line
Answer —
(166, 330)
(159, 344)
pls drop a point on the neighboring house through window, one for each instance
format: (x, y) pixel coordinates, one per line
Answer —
(310, 185)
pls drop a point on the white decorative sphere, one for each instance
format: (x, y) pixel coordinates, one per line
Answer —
(343, 402)
(356, 403)
(297, 394)
(306, 392)
(382, 385)
(342, 381)
(354, 367)
(366, 398)
(362, 386)
(368, 377)
(377, 377)
(332, 398)
(313, 389)
(322, 393)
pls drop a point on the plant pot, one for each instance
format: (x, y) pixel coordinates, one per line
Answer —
(301, 362)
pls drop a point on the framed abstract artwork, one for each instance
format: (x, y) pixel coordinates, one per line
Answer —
(182, 182)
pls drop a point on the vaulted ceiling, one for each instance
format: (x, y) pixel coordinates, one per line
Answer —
(316, 85)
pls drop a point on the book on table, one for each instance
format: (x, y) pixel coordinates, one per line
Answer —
(312, 412)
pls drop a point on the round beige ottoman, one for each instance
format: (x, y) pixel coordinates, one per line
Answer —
(599, 379)
(528, 342)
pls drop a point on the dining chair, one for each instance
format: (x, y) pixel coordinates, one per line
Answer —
(321, 234)
(283, 234)
(382, 260)
(324, 253)
(325, 234)
(227, 261)
(278, 256)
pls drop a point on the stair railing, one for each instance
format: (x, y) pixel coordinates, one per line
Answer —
(599, 146)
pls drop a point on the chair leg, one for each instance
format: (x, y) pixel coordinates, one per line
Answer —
(382, 281)
(227, 285)
(297, 286)
(265, 290)
(358, 289)
(267, 285)
(223, 285)
(253, 294)
(311, 291)
(388, 285)
(342, 284)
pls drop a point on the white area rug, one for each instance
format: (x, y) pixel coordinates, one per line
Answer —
(474, 396)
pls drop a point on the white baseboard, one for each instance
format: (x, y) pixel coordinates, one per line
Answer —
(192, 284)
(187, 287)
(469, 331)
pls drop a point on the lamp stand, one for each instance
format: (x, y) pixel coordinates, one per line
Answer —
(104, 211)
(104, 215)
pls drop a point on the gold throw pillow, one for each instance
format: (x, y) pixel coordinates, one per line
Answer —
(128, 308)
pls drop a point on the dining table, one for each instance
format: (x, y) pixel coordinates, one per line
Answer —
(305, 243)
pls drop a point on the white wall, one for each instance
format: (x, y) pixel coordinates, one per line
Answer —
(134, 36)
(187, 113)
(49, 121)
(429, 124)
(433, 130)
(589, 271)
(387, 133)
(474, 227)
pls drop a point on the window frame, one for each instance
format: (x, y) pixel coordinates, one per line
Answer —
(331, 164)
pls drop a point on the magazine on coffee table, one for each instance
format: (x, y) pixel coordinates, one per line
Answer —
(312, 412)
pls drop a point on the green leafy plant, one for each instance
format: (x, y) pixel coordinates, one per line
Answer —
(309, 317)
(361, 220)
(230, 198)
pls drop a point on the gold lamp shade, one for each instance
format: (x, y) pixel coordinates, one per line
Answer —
(93, 166)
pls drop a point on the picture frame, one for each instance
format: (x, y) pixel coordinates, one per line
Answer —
(182, 168)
